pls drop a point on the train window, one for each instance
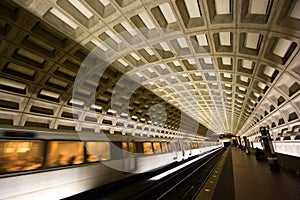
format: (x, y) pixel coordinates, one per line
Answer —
(128, 146)
(164, 147)
(147, 148)
(125, 146)
(192, 145)
(98, 151)
(131, 147)
(157, 147)
(195, 145)
(61, 153)
(20, 155)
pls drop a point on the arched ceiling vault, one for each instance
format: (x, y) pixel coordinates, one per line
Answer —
(230, 65)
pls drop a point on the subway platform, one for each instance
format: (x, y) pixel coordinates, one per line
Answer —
(242, 177)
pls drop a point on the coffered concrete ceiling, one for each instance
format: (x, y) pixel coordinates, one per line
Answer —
(229, 65)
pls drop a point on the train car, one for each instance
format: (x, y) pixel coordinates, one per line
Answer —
(54, 165)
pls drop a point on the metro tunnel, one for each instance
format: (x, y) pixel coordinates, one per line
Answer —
(168, 99)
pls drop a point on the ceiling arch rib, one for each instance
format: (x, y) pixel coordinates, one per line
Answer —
(232, 61)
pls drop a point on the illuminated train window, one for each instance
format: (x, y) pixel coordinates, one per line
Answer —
(125, 146)
(195, 145)
(164, 147)
(128, 146)
(98, 151)
(147, 148)
(20, 155)
(131, 147)
(61, 153)
(157, 147)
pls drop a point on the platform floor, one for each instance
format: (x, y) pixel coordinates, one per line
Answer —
(253, 180)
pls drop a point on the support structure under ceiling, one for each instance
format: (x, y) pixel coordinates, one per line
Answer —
(229, 65)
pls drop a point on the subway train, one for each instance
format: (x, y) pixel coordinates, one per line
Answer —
(54, 165)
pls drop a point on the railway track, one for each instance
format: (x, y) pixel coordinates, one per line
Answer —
(185, 183)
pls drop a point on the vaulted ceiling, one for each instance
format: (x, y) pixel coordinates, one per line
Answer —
(229, 65)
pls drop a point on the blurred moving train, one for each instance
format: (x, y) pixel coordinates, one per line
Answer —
(54, 165)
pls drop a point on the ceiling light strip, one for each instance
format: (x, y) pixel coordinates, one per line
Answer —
(168, 13)
(147, 21)
(226, 61)
(81, 8)
(165, 46)
(105, 2)
(282, 47)
(113, 36)
(11, 83)
(202, 40)
(225, 38)
(222, 7)
(208, 60)
(135, 56)
(98, 44)
(120, 60)
(296, 10)
(49, 94)
(252, 40)
(149, 51)
(192, 8)
(247, 64)
(64, 18)
(259, 7)
(129, 28)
